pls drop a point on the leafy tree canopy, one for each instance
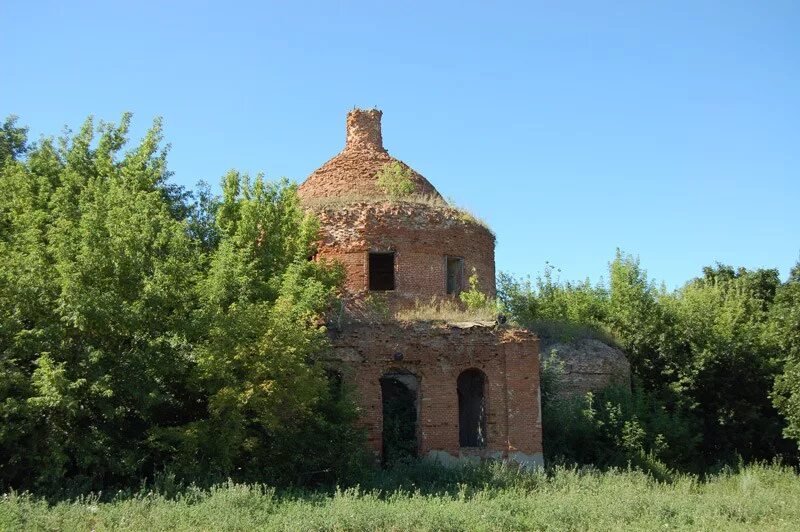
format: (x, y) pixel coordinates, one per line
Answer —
(143, 327)
(709, 353)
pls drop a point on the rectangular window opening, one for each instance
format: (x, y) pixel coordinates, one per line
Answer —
(455, 274)
(381, 271)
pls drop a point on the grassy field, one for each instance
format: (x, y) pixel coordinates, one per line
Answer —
(485, 498)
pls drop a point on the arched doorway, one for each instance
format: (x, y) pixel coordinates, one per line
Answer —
(472, 408)
(399, 391)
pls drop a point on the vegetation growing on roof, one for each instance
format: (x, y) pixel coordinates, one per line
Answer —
(447, 207)
(473, 298)
(394, 179)
(447, 311)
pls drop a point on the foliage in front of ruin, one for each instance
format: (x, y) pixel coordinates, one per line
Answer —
(394, 178)
(718, 356)
(614, 427)
(142, 330)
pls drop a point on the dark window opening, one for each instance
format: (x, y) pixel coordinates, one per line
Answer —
(455, 275)
(472, 408)
(335, 384)
(399, 398)
(381, 271)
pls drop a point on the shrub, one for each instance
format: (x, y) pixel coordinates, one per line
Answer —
(475, 300)
(141, 332)
(554, 309)
(394, 179)
(618, 427)
(691, 349)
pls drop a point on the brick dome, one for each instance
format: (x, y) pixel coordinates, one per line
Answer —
(407, 248)
(353, 173)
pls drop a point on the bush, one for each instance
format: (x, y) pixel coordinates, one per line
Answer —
(690, 349)
(615, 427)
(554, 309)
(474, 299)
(394, 179)
(141, 332)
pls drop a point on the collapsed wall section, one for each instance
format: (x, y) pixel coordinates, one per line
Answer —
(590, 365)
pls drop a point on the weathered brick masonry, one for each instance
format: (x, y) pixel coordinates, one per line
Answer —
(437, 355)
(475, 386)
(420, 235)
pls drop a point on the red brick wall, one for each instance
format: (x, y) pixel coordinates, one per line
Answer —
(437, 354)
(421, 237)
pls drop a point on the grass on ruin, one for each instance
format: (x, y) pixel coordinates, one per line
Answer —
(446, 310)
(374, 309)
(425, 497)
(428, 200)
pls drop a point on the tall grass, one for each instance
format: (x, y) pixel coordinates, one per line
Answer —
(446, 310)
(423, 497)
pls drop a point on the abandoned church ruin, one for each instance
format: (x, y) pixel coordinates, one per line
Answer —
(426, 388)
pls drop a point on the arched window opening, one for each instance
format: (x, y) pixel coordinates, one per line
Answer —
(399, 397)
(472, 408)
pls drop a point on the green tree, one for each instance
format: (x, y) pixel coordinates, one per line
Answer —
(141, 330)
(96, 286)
(784, 334)
(13, 140)
(707, 352)
(636, 319)
(726, 370)
(259, 302)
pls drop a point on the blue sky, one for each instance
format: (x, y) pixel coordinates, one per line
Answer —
(668, 129)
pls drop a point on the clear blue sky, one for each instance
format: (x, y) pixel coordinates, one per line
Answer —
(669, 129)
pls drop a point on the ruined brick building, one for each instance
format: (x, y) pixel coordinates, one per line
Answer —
(441, 389)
